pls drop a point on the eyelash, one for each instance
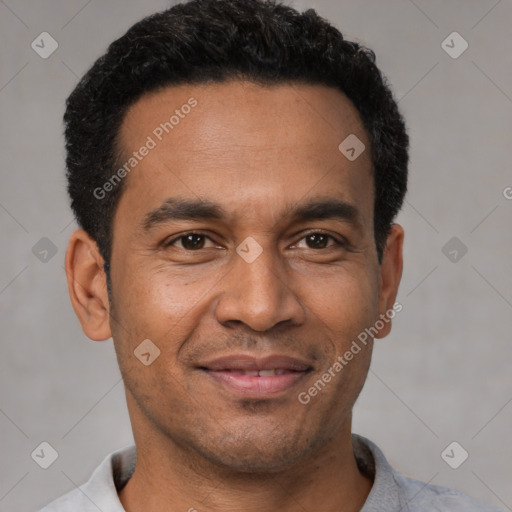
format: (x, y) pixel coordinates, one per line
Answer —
(338, 242)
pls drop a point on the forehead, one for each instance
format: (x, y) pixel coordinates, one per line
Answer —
(246, 146)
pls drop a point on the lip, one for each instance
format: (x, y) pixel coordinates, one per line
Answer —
(228, 372)
(250, 362)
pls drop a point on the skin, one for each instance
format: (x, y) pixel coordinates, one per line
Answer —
(253, 150)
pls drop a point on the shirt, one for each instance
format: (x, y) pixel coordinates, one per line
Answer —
(391, 490)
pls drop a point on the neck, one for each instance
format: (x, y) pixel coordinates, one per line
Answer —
(168, 478)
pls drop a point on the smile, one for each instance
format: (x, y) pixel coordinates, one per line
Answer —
(252, 377)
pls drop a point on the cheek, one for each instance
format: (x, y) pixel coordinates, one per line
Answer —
(344, 302)
(156, 295)
(162, 306)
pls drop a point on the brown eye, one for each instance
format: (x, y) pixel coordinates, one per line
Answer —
(319, 240)
(189, 241)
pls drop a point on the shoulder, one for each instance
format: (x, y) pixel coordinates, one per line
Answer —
(100, 491)
(420, 496)
(73, 500)
(394, 491)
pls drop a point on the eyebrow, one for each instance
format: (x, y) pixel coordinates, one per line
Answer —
(175, 209)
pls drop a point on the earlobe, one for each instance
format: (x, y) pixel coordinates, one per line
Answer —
(390, 276)
(87, 285)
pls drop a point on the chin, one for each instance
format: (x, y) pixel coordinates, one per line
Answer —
(255, 452)
(250, 461)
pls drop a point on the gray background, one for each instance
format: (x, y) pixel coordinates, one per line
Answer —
(444, 373)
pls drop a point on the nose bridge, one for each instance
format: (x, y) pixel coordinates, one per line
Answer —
(260, 274)
(256, 291)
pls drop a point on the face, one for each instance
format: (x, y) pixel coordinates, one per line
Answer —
(244, 251)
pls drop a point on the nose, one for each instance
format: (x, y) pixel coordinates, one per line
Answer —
(259, 294)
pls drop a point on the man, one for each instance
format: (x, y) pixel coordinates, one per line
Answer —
(236, 168)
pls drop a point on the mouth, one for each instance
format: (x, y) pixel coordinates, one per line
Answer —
(257, 377)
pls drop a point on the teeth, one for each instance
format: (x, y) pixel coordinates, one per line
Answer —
(262, 373)
(267, 373)
(250, 373)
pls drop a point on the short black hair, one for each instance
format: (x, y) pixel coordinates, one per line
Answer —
(203, 41)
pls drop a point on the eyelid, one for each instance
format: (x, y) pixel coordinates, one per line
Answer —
(340, 241)
(168, 243)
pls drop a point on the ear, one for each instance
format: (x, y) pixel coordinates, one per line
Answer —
(87, 285)
(390, 276)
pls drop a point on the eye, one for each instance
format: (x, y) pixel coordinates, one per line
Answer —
(193, 241)
(189, 241)
(319, 240)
